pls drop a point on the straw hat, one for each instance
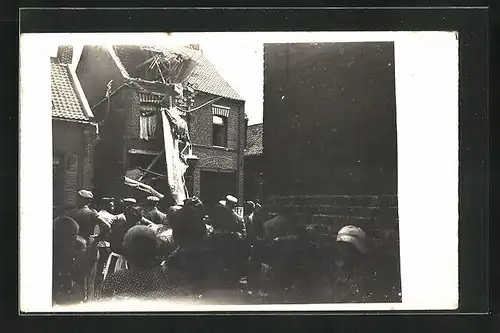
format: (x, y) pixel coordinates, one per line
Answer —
(354, 235)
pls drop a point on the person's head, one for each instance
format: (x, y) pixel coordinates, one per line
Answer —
(195, 208)
(65, 231)
(84, 198)
(188, 226)
(141, 246)
(153, 201)
(249, 207)
(128, 202)
(351, 244)
(231, 201)
(108, 204)
(133, 214)
(221, 217)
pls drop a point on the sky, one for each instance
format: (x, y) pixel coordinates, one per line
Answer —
(241, 64)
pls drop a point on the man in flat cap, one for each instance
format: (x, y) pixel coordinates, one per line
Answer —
(106, 211)
(231, 203)
(132, 216)
(128, 202)
(153, 213)
(87, 220)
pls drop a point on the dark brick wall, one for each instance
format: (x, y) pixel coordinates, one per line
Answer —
(330, 119)
(69, 138)
(201, 121)
(253, 180)
(216, 158)
(89, 141)
(200, 128)
(330, 141)
(368, 212)
(132, 112)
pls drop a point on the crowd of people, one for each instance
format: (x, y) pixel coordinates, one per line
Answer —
(194, 251)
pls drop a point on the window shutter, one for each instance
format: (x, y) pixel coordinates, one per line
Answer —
(221, 111)
(71, 179)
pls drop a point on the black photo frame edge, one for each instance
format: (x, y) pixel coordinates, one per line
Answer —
(473, 28)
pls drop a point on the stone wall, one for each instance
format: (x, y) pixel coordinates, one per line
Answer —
(335, 211)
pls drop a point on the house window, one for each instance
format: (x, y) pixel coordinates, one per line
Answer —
(148, 121)
(220, 116)
(220, 131)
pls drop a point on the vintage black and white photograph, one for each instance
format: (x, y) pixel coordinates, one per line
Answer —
(228, 172)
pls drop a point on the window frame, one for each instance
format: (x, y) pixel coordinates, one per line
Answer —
(224, 127)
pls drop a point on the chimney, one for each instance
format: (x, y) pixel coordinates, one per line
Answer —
(65, 54)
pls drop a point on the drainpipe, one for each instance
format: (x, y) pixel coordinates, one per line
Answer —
(240, 164)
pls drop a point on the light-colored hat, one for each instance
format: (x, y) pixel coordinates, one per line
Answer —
(108, 199)
(354, 235)
(222, 202)
(153, 198)
(130, 200)
(251, 203)
(85, 194)
(232, 199)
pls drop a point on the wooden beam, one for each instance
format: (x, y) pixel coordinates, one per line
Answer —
(152, 163)
(145, 62)
(143, 152)
(153, 173)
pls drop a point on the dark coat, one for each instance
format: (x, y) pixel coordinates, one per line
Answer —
(87, 220)
(156, 216)
(119, 227)
(224, 218)
(70, 267)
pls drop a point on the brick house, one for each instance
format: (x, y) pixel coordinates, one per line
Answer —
(215, 119)
(254, 168)
(73, 132)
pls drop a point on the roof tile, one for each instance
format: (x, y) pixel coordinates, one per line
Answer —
(254, 140)
(204, 76)
(65, 101)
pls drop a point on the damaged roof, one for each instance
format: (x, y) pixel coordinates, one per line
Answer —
(66, 101)
(254, 140)
(202, 75)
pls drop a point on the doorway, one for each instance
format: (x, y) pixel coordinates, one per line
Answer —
(215, 185)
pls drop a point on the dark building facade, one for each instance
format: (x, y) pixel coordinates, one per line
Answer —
(330, 139)
(135, 91)
(254, 163)
(73, 133)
